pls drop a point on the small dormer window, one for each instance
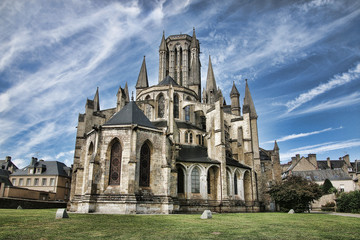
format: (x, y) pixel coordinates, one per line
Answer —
(31, 170)
(38, 170)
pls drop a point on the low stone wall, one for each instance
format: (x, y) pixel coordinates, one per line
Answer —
(13, 203)
(322, 201)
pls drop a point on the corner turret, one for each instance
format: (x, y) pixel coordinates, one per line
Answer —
(235, 102)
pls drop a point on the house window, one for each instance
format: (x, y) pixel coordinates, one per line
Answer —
(13, 181)
(180, 183)
(21, 182)
(28, 182)
(36, 182)
(52, 181)
(144, 166)
(115, 163)
(188, 137)
(161, 106)
(31, 170)
(195, 181)
(43, 182)
(38, 170)
(176, 106)
(342, 188)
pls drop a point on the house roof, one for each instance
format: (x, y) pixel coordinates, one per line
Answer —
(198, 154)
(50, 168)
(233, 162)
(130, 114)
(321, 175)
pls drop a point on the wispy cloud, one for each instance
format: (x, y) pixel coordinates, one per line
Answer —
(320, 148)
(301, 135)
(337, 80)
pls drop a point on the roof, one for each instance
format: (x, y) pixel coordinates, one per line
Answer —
(168, 81)
(130, 114)
(142, 81)
(198, 154)
(321, 175)
(234, 91)
(50, 168)
(233, 162)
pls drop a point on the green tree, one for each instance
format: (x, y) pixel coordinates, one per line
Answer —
(295, 193)
(327, 186)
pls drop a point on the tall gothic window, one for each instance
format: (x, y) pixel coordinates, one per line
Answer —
(144, 180)
(161, 106)
(148, 108)
(186, 137)
(208, 182)
(176, 106)
(115, 163)
(195, 181)
(235, 184)
(180, 182)
(187, 113)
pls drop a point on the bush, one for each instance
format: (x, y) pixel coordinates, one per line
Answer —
(295, 193)
(327, 186)
(349, 202)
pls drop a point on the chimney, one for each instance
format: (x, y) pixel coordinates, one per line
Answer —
(33, 161)
(7, 159)
(312, 160)
(346, 158)
(328, 162)
(297, 157)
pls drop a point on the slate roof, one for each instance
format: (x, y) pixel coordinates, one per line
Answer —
(233, 162)
(50, 168)
(130, 114)
(194, 154)
(168, 81)
(321, 175)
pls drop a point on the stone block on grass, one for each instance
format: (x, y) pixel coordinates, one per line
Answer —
(206, 214)
(61, 213)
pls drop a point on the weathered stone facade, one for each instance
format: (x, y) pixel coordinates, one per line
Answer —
(172, 149)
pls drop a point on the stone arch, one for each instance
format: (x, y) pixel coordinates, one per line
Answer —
(181, 179)
(247, 187)
(212, 180)
(115, 156)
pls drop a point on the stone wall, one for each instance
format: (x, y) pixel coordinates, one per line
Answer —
(13, 203)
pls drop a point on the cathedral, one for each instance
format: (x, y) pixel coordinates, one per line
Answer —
(175, 147)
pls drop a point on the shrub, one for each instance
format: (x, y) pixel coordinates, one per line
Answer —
(295, 193)
(327, 186)
(349, 202)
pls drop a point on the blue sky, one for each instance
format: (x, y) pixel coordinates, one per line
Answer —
(301, 59)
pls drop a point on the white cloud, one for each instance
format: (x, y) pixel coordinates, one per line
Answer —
(337, 80)
(320, 148)
(300, 135)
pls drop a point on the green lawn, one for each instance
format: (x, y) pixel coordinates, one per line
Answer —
(41, 224)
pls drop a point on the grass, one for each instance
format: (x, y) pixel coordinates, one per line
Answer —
(41, 224)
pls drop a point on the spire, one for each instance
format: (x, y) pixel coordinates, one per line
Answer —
(276, 147)
(194, 72)
(210, 80)
(248, 103)
(163, 43)
(96, 100)
(234, 92)
(193, 40)
(142, 81)
(126, 90)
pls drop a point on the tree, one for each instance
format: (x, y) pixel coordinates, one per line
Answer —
(327, 186)
(295, 193)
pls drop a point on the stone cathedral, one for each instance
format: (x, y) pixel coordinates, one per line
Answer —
(174, 148)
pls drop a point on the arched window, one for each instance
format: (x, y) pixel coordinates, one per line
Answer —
(190, 138)
(187, 113)
(195, 181)
(180, 182)
(235, 184)
(161, 106)
(91, 149)
(176, 106)
(144, 180)
(208, 182)
(115, 163)
(148, 108)
(186, 137)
